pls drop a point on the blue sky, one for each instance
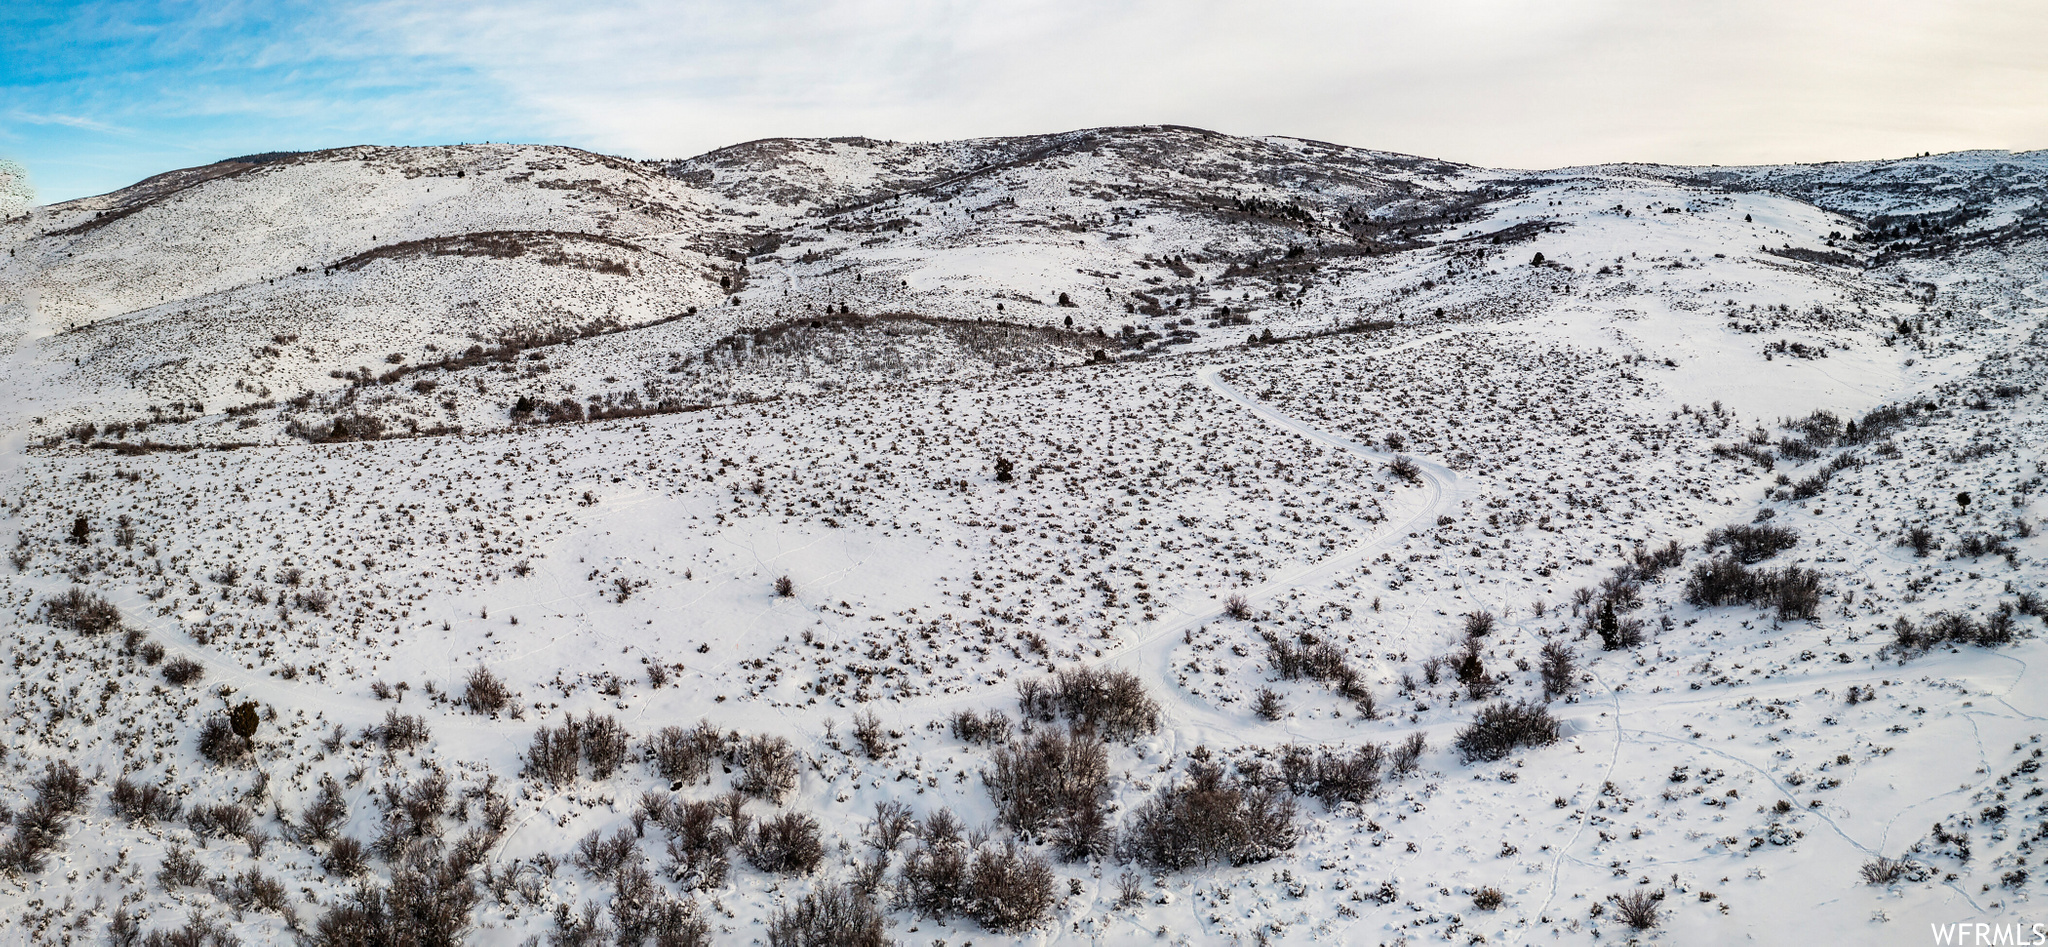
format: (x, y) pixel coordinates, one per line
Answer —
(95, 96)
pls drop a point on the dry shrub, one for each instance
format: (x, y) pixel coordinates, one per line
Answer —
(87, 613)
(831, 916)
(1052, 785)
(788, 844)
(684, 756)
(1111, 703)
(768, 768)
(143, 802)
(1208, 818)
(182, 670)
(1502, 727)
(484, 693)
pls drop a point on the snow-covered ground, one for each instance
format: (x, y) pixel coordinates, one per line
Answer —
(799, 432)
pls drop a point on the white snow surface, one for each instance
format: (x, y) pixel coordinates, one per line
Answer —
(326, 425)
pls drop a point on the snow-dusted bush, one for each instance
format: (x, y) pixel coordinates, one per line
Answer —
(87, 613)
(1501, 728)
(182, 670)
(681, 755)
(1208, 818)
(1111, 703)
(831, 916)
(1751, 544)
(768, 767)
(972, 727)
(1051, 784)
(483, 693)
(788, 844)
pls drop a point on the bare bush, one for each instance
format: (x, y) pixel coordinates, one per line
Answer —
(326, 812)
(554, 753)
(1407, 755)
(788, 844)
(1751, 544)
(1488, 899)
(830, 916)
(768, 768)
(684, 756)
(602, 857)
(1405, 468)
(871, 735)
(1237, 607)
(1883, 871)
(345, 858)
(483, 693)
(604, 745)
(1479, 624)
(401, 732)
(1207, 818)
(971, 727)
(1051, 785)
(785, 587)
(182, 670)
(1638, 909)
(1502, 727)
(143, 802)
(1111, 703)
(1558, 664)
(87, 613)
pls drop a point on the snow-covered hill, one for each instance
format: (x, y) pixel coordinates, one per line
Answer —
(1304, 465)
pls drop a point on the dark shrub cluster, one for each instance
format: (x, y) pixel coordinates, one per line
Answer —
(143, 802)
(1794, 592)
(483, 693)
(684, 756)
(1319, 660)
(1502, 727)
(1209, 818)
(1753, 543)
(1945, 628)
(1003, 887)
(1052, 785)
(1332, 776)
(182, 670)
(831, 916)
(87, 613)
(60, 794)
(972, 727)
(555, 751)
(768, 767)
(1111, 703)
(788, 844)
(400, 732)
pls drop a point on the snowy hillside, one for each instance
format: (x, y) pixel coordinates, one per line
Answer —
(1130, 534)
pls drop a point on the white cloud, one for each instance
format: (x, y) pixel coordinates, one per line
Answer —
(1492, 81)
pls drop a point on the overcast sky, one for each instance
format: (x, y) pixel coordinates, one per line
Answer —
(94, 96)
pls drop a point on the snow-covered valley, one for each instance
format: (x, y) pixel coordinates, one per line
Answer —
(1125, 535)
